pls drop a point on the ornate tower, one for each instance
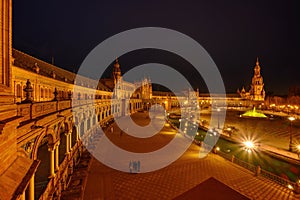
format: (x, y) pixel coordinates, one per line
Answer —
(117, 78)
(257, 87)
(116, 72)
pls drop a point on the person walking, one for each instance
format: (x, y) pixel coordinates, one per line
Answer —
(130, 166)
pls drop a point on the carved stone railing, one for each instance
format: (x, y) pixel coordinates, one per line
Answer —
(33, 110)
(61, 105)
(40, 109)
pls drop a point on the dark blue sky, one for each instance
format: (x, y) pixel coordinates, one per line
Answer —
(233, 32)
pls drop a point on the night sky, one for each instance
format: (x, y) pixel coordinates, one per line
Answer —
(234, 33)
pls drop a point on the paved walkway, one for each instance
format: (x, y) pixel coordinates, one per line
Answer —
(182, 175)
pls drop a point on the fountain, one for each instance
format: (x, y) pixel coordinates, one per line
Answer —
(253, 113)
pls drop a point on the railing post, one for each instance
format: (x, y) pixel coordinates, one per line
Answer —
(232, 158)
(297, 187)
(258, 170)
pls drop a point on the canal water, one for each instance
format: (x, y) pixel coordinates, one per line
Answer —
(255, 157)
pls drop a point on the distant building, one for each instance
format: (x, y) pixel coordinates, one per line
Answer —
(256, 92)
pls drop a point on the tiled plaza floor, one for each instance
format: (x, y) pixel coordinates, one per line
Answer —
(182, 175)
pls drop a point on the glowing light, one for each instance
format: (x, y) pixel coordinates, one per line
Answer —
(253, 113)
(298, 147)
(249, 144)
(218, 148)
(290, 187)
(291, 118)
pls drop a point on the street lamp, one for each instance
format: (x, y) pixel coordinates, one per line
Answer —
(291, 135)
(298, 153)
(298, 147)
(218, 117)
(249, 145)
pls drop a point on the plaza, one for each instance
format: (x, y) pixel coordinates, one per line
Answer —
(273, 131)
(52, 119)
(179, 177)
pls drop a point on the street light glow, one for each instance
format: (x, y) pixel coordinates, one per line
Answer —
(291, 118)
(249, 144)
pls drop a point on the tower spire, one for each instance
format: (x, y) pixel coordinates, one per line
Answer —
(257, 63)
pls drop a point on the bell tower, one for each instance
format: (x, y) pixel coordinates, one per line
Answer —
(257, 86)
(116, 72)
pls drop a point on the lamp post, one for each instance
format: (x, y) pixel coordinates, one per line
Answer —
(291, 135)
(218, 117)
(298, 153)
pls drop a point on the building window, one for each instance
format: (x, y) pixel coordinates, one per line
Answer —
(19, 91)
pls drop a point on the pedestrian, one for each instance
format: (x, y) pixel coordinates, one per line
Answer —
(111, 129)
(130, 166)
(134, 167)
(138, 166)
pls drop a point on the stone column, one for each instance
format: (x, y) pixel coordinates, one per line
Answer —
(51, 150)
(31, 188)
(77, 133)
(57, 157)
(23, 197)
(67, 143)
(70, 141)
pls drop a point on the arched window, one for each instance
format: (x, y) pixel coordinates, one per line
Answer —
(46, 93)
(19, 91)
(42, 93)
(24, 86)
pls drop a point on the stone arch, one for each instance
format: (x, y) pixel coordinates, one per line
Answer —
(74, 134)
(41, 152)
(63, 124)
(50, 138)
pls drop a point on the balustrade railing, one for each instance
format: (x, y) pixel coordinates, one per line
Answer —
(277, 179)
(261, 172)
